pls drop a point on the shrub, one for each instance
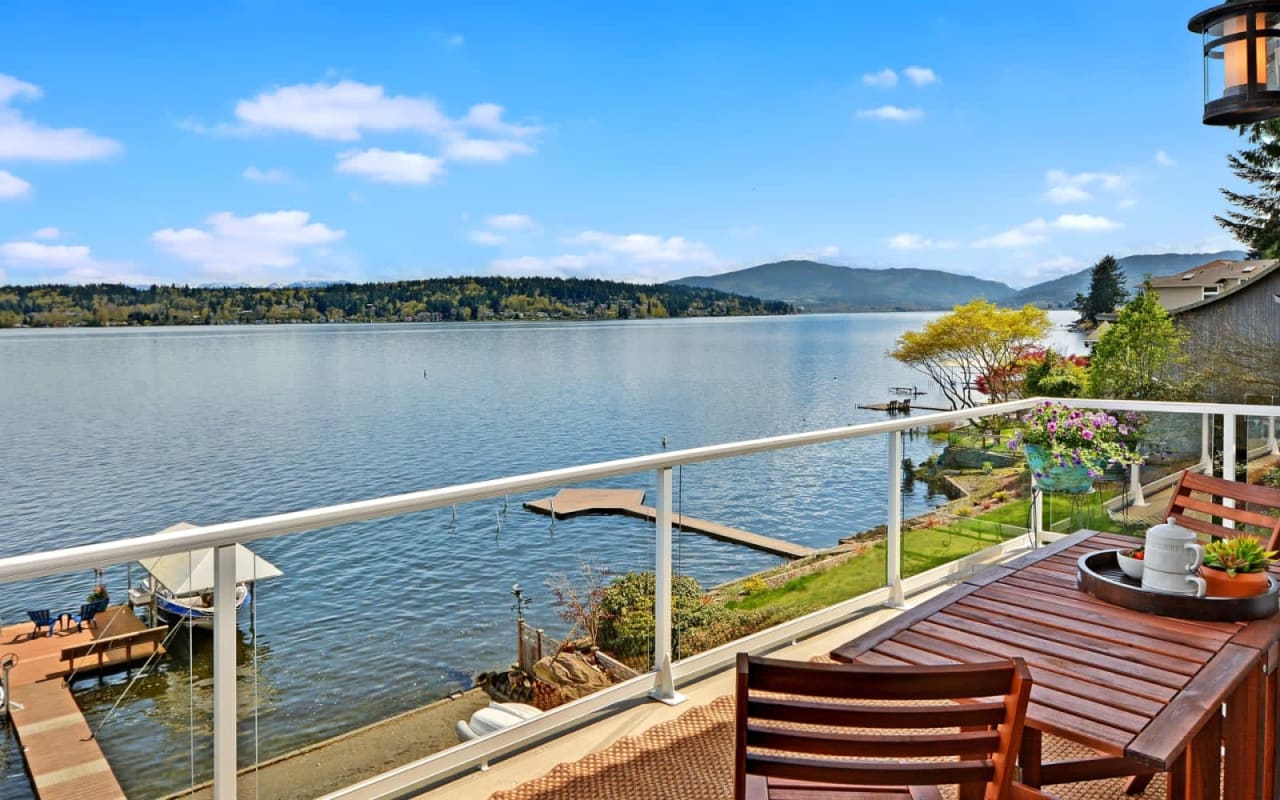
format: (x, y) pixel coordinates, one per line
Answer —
(964, 511)
(626, 613)
(1000, 496)
(754, 584)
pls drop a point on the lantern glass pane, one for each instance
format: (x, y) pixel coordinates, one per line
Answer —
(1269, 46)
(1215, 71)
(1269, 21)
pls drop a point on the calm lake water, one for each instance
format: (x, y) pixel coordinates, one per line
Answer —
(120, 432)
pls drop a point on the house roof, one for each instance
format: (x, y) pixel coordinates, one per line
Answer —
(1214, 273)
(1265, 267)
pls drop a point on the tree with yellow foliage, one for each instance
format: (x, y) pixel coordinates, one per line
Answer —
(977, 338)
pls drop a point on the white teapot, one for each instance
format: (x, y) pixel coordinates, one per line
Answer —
(1171, 558)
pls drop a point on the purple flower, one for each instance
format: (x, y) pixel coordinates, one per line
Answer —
(1087, 434)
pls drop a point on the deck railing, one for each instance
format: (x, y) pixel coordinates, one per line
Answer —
(662, 681)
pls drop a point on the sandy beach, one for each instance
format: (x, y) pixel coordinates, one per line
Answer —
(334, 763)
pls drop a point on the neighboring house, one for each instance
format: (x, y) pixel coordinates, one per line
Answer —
(1234, 335)
(1091, 338)
(1207, 281)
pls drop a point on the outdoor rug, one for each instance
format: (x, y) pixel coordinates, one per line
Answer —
(691, 758)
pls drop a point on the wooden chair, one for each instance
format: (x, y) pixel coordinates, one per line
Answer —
(803, 732)
(1204, 495)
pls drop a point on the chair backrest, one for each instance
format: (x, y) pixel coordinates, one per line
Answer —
(88, 610)
(1204, 495)
(807, 722)
(40, 616)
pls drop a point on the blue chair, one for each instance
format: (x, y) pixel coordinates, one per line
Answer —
(87, 612)
(42, 618)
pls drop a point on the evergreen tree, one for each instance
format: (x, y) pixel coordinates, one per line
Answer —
(1107, 292)
(1255, 221)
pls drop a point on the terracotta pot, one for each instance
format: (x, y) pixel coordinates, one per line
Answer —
(1245, 584)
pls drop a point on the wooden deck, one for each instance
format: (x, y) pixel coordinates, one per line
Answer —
(629, 503)
(64, 762)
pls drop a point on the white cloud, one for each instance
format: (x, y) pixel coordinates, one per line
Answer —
(642, 247)
(450, 39)
(486, 238)
(341, 111)
(488, 117)
(12, 186)
(1163, 159)
(1014, 237)
(58, 263)
(914, 241)
(830, 251)
(921, 76)
(265, 175)
(240, 247)
(46, 233)
(1036, 231)
(464, 149)
(884, 79)
(1085, 222)
(510, 222)
(893, 113)
(52, 256)
(21, 138)
(11, 87)
(347, 110)
(1065, 187)
(388, 166)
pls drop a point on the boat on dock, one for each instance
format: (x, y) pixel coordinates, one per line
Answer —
(179, 586)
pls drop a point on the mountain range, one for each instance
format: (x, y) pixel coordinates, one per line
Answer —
(813, 286)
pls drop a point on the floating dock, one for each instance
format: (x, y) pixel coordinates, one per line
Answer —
(630, 503)
(63, 759)
(889, 407)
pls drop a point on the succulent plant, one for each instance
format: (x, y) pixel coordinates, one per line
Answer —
(1238, 554)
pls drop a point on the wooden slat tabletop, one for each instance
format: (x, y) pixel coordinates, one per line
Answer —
(1122, 682)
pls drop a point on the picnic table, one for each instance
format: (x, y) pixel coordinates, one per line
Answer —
(1146, 693)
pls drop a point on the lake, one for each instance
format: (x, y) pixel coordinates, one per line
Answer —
(118, 432)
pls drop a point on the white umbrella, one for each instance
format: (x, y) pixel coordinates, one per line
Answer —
(191, 572)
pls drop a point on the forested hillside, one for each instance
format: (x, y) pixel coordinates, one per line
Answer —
(433, 300)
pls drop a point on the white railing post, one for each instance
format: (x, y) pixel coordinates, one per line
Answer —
(664, 689)
(1272, 445)
(1135, 486)
(224, 673)
(1037, 512)
(893, 550)
(1206, 434)
(1229, 460)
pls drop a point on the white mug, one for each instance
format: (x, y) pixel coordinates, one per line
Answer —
(1174, 582)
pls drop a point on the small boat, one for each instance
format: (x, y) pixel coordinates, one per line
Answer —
(180, 585)
(494, 717)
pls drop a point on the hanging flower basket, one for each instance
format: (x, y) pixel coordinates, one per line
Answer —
(1053, 477)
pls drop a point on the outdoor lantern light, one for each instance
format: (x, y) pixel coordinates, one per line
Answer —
(1241, 68)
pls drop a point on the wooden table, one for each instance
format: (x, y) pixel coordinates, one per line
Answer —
(1145, 692)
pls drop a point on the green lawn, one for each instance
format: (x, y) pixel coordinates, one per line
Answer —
(922, 550)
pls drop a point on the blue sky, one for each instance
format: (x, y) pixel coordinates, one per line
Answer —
(265, 142)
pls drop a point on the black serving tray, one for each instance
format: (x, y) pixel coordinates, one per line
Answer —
(1100, 575)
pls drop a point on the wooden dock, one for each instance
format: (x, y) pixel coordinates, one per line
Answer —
(65, 763)
(630, 503)
(887, 407)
